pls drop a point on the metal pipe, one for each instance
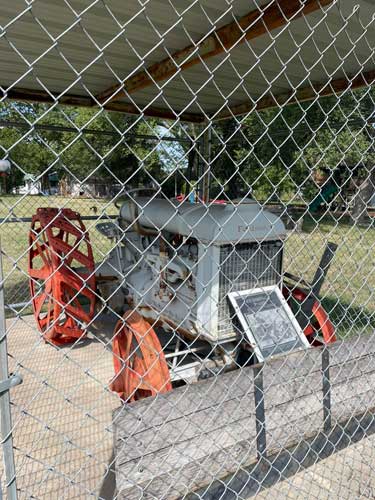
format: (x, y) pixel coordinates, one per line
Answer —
(176, 351)
(114, 133)
(186, 351)
(5, 413)
(6, 220)
(206, 174)
(17, 306)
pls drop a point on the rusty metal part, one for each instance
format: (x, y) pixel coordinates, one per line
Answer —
(103, 279)
(319, 321)
(159, 319)
(62, 275)
(140, 366)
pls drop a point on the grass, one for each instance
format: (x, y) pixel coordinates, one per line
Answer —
(348, 293)
(349, 290)
(14, 235)
(26, 206)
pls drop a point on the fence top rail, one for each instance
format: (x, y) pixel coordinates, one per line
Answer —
(14, 220)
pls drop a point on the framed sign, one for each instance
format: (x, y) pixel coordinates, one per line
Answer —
(268, 321)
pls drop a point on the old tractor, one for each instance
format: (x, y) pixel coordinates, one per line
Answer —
(168, 276)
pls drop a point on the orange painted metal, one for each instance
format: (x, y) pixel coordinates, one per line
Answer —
(319, 321)
(140, 366)
(62, 275)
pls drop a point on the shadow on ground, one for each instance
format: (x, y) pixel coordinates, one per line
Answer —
(281, 466)
(108, 487)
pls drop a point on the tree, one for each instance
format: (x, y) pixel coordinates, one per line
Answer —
(271, 154)
(77, 144)
(274, 153)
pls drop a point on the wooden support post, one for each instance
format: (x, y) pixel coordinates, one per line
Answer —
(311, 92)
(31, 95)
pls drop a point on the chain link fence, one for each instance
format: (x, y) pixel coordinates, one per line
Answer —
(187, 218)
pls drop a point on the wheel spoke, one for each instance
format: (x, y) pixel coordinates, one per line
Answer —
(41, 249)
(42, 273)
(140, 366)
(50, 238)
(38, 302)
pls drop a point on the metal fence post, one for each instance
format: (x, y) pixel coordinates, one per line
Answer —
(260, 416)
(6, 383)
(326, 387)
(206, 175)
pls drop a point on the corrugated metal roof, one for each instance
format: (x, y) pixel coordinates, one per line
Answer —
(84, 47)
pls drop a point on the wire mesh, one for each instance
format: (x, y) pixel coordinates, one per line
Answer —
(187, 235)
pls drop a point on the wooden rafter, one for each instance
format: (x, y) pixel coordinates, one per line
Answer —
(308, 93)
(27, 95)
(273, 15)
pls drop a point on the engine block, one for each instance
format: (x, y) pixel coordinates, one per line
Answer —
(179, 272)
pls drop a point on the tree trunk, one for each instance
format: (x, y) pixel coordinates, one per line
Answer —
(366, 191)
(63, 185)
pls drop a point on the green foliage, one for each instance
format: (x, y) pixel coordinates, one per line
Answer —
(269, 155)
(113, 157)
(274, 154)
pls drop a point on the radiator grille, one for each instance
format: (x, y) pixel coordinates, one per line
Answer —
(244, 266)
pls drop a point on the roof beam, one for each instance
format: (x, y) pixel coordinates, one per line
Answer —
(308, 93)
(20, 94)
(275, 14)
(29, 95)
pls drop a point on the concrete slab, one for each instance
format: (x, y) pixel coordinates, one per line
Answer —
(346, 475)
(62, 413)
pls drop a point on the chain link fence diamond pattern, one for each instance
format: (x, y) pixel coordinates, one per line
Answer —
(187, 218)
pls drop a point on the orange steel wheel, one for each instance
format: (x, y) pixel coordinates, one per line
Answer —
(140, 366)
(61, 271)
(319, 320)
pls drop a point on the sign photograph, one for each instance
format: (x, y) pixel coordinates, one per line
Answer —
(268, 321)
